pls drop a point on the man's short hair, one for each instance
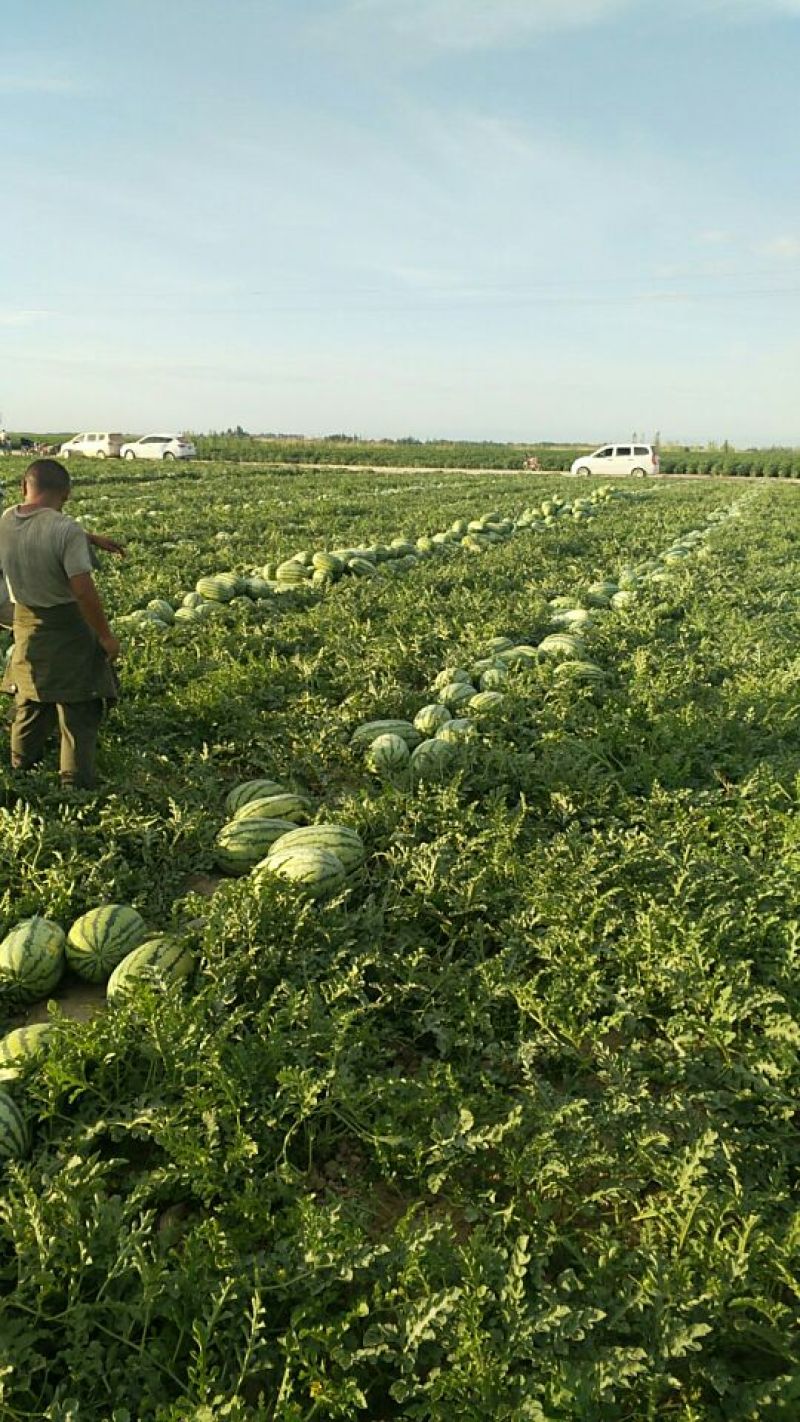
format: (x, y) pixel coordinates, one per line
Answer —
(46, 476)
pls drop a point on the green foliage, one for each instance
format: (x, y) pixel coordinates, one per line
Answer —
(507, 1126)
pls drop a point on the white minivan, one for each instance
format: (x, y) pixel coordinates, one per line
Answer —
(92, 446)
(618, 459)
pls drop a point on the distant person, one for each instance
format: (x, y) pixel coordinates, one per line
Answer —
(60, 672)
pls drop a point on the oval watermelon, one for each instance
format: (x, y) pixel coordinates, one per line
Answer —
(23, 1042)
(316, 870)
(341, 840)
(161, 960)
(32, 959)
(250, 790)
(15, 1140)
(366, 734)
(242, 842)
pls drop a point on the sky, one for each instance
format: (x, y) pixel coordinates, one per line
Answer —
(479, 219)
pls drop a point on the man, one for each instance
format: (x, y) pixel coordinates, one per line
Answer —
(61, 665)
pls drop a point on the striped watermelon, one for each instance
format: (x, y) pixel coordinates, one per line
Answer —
(431, 759)
(388, 754)
(312, 868)
(327, 563)
(451, 674)
(162, 960)
(282, 805)
(579, 671)
(214, 589)
(562, 644)
(362, 567)
(486, 703)
(292, 572)
(498, 644)
(250, 790)
(494, 678)
(15, 1140)
(193, 599)
(32, 959)
(101, 938)
(519, 656)
(23, 1042)
(430, 718)
(457, 693)
(241, 843)
(341, 840)
(187, 614)
(162, 609)
(366, 734)
(459, 729)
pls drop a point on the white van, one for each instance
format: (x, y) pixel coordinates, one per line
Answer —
(618, 459)
(92, 446)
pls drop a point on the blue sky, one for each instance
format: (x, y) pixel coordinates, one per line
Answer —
(522, 219)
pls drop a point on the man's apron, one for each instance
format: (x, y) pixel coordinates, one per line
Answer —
(57, 657)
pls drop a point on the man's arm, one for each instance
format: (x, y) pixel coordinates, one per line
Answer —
(88, 600)
(106, 544)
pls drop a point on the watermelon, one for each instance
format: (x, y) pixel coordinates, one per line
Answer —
(459, 729)
(388, 754)
(292, 573)
(626, 597)
(215, 589)
(328, 563)
(450, 675)
(431, 759)
(15, 1140)
(575, 618)
(485, 703)
(456, 694)
(187, 614)
(316, 870)
(23, 1042)
(282, 805)
(430, 718)
(498, 644)
(494, 678)
(364, 735)
(192, 599)
(250, 790)
(341, 840)
(520, 656)
(562, 644)
(32, 959)
(362, 567)
(579, 671)
(162, 609)
(162, 960)
(241, 843)
(101, 938)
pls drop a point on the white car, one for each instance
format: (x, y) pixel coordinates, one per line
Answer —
(618, 459)
(92, 446)
(159, 446)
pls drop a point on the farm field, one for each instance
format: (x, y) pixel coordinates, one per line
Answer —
(505, 1121)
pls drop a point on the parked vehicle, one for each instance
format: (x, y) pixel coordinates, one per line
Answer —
(628, 458)
(92, 446)
(159, 446)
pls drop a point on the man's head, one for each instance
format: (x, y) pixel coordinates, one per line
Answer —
(46, 482)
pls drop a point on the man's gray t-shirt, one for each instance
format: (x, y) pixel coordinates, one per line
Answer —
(39, 552)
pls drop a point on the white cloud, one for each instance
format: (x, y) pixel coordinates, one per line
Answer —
(783, 246)
(33, 81)
(473, 24)
(22, 317)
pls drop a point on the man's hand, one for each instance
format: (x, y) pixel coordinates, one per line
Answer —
(106, 544)
(111, 647)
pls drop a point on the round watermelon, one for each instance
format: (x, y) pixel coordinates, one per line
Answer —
(32, 959)
(316, 870)
(23, 1043)
(430, 718)
(101, 938)
(388, 754)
